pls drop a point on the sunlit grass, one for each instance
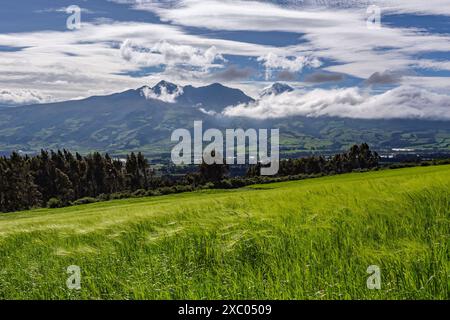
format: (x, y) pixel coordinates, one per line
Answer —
(311, 239)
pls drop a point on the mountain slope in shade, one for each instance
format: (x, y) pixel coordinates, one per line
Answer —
(132, 120)
(120, 121)
(214, 97)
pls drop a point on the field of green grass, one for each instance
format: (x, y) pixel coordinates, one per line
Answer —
(310, 239)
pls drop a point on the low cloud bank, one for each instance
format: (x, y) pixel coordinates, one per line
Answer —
(404, 102)
(22, 97)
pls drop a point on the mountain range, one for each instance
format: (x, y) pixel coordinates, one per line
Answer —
(143, 119)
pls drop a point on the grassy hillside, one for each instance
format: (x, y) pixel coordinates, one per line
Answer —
(311, 239)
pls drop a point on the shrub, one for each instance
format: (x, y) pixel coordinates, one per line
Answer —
(183, 188)
(54, 203)
(167, 190)
(208, 185)
(140, 193)
(224, 184)
(104, 197)
(120, 195)
(85, 200)
(156, 193)
(114, 196)
(238, 183)
(153, 193)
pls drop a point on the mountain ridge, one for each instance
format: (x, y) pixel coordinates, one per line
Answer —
(128, 121)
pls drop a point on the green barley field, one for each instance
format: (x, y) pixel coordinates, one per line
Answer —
(310, 239)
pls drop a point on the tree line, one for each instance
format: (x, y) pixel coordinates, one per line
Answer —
(60, 178)
(358, 157)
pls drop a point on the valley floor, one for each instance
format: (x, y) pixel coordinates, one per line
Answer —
(310, 239)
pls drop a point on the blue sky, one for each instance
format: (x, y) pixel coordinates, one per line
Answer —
(311, 45)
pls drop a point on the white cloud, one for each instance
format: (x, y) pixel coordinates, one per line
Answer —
(207, 112)
(85, 62)
(336, 34)
(69, 64)
(273, 61)
(164, 95)
(401, 102)
(164, 53)
(21, 97)
(63, 10)
(436, 84)
(435, 7)
(420, 7)
(433, 65)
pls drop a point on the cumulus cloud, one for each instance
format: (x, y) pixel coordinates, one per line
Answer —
(272, 61)
(164, 53)
(22, 97)
(401, 102)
